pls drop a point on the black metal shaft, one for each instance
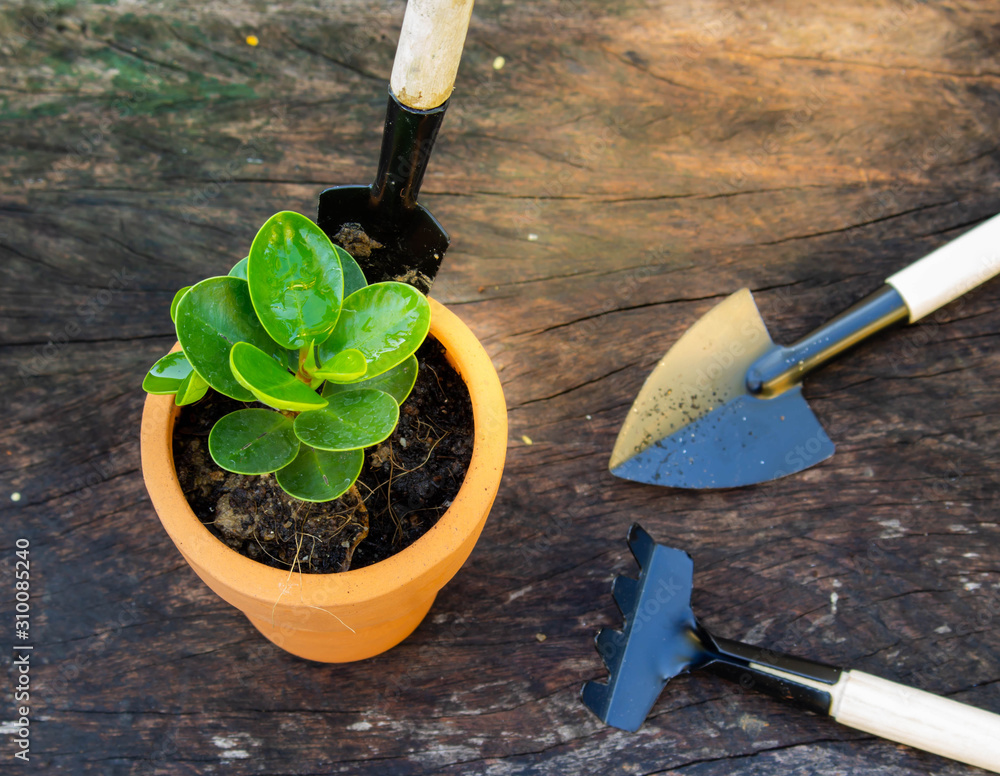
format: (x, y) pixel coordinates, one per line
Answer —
(789, 678)
(783, 367)
(407, 141)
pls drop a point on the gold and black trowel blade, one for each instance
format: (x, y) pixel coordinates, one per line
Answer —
(724, 407)
(695, 424)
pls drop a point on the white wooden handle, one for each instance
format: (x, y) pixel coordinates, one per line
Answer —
(918, 719)
(430, 48)
(952, 270)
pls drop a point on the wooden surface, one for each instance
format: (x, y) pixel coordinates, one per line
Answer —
(628, 166)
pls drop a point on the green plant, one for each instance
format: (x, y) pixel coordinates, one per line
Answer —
(296, 327)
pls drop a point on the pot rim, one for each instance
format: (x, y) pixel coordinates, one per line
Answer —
(414, 564)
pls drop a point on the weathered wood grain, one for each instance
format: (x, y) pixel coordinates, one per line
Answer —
(623, 171)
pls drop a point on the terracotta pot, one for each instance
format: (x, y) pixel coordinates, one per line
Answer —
(363, 612)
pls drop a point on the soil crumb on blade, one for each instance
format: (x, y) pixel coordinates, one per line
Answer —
(353, 239)
(406, 483)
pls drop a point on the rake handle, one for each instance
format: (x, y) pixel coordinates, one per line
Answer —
(429, 51)
(865, 702)
(917, 718)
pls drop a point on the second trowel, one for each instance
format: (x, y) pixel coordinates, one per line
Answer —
(724, 407)
(382, 225)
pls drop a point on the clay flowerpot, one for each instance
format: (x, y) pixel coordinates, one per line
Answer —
(363, 612)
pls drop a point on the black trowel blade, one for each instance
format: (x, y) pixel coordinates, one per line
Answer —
(406, 245)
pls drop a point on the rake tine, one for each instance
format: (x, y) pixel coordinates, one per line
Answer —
(641, 544)
(626, 594)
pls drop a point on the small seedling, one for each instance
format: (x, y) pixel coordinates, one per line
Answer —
(296, 327)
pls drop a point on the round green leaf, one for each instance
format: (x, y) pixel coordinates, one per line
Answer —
(239, 269)
(192, 389)
(346, 366)
(253, 441)
(296, 281)
(176, 299)
(397, 382)
(167, 374)
(269, 381)
(354, 278)
(213, 316)
(385, 321)
(320, 475)
(352, 420)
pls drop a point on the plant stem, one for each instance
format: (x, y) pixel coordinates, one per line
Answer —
(302, 374)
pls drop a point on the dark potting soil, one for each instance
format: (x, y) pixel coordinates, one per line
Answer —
(406, 483)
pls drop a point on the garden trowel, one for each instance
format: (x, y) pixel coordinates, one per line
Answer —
(724, 406)
(662, 638)
(381, 225)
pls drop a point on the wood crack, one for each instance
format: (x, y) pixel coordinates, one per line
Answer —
(850, 227)
(332, 60)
